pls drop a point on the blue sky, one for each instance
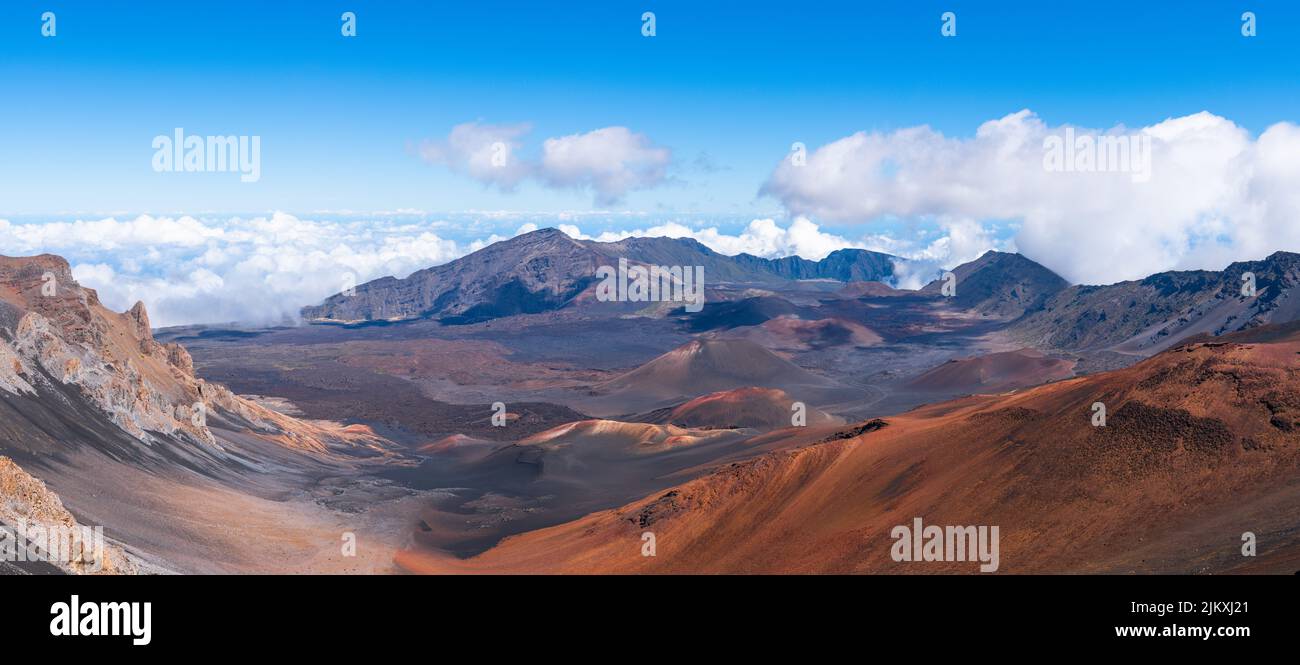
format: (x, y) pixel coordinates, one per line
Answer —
(705, 113)
(726, 85)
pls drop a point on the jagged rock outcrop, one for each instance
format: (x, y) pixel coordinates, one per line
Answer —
(26, 501)
(54, 331)
(119, 386)
(13, 371)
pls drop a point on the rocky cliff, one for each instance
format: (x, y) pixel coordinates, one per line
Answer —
(55, 334)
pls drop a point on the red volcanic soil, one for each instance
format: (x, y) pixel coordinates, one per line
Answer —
(620, 436)
(569, 471)
(460, 448)
(994, 372)
(704, 366)
(788, 333)
(1201, 444)
(755, 408)
(713, 364)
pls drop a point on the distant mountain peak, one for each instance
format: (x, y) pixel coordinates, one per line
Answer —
(1002, 284)
(543, 234)
(997, 257)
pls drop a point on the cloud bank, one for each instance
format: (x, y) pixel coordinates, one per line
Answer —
(1215, 194)
(258, 270)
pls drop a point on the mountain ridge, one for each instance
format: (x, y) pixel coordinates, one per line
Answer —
(1153, 313)
(546, 269)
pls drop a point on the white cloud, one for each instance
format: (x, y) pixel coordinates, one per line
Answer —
(109, 233)
(963, 240)
(257, 270)
(1214, 195)
(609, 162)
(488, 153)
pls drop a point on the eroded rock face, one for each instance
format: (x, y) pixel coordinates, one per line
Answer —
(13, 372)
(27, 501)
(117, 385)
(179, 358)
(54, 330)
